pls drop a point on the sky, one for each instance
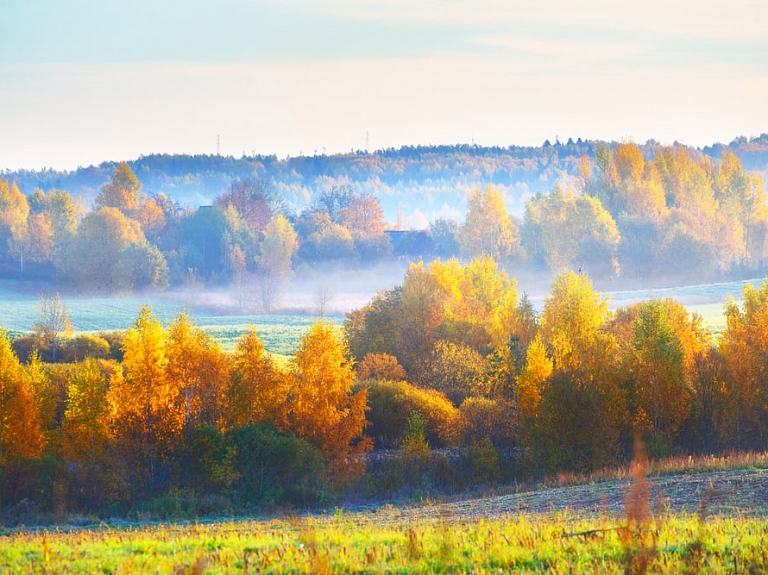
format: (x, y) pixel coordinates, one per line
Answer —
(86, 81)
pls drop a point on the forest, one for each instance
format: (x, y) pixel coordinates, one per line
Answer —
(630, 215)
(446, 382)
(449, 380)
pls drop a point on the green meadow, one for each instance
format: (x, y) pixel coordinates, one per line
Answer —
(279, 333)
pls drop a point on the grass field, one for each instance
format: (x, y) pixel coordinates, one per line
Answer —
(692, 526)
(279, 333)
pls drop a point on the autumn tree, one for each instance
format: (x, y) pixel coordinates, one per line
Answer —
(325, 240)
(152, 219)
(196, 371)
(745, 348)
(572, 321)
(110, 252)
(321, 406)
(420, 302)
(585, 360)
(142, 404)
(457, 371)
(742, 196)
(14, 211)
(88, 438)
(574, 430)
(53, 326)
(487, 230)
(566, 231)
(530, 383)
(141, 266)
(364, 220)
(21, 434)
(254, 199)
(391, 405)
(274, 260)
(257, 389)
(362, 216)
(380, 366)
(123, 191)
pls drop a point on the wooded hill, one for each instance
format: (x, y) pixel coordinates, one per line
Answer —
(646, 214)
(412, 177)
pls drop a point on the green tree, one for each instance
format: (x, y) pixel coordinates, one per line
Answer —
(660, 390)
(202, 238)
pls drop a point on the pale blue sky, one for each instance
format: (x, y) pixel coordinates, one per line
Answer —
(82, 81)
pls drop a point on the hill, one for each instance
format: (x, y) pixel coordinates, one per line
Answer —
(422, 182)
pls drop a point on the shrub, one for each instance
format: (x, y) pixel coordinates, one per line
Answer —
(84, 346)
(457, 371)
(391, 405)
(487, 419)
(276, 468)
(380, 366)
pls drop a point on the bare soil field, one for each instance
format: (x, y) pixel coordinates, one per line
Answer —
(722, 493)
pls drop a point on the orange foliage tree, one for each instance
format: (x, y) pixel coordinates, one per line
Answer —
(321, 406)
(21, 434)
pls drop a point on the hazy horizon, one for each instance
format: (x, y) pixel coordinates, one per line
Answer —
(84, 83)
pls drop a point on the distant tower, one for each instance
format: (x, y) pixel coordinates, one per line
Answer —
(218, 145)
(367, 142)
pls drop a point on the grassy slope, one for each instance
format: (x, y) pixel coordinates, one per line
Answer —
(581, 528)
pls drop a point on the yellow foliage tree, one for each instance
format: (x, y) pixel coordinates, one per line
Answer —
(257, 389)
(197, 370)
(488, 230)
(532, 378)
(122, 192)
(142, 402)
(321, 407)
(745, 347)
(572, 320)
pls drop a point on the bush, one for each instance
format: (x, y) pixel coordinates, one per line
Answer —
(391, 404)
(24, 346)
(487, 419)
(457, 371)
(84, 346)
(276, 468)
(380, 366)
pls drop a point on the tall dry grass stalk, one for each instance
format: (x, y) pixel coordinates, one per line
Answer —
(638, 536)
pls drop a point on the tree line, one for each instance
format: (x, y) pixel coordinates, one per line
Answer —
(453, 370)
(659, 215)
